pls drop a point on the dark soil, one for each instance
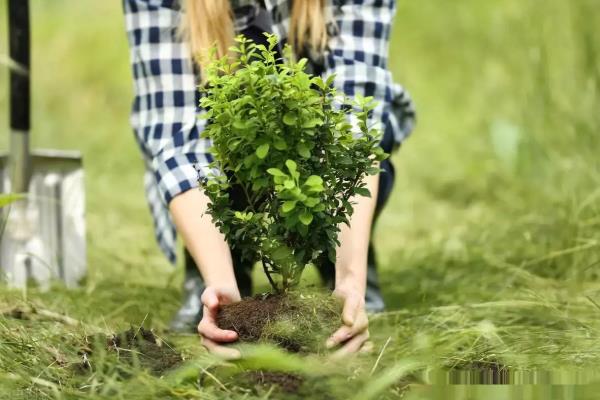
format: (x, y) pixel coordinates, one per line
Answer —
(294, 322)
(288, 383)
(134, 346)
(250, 316)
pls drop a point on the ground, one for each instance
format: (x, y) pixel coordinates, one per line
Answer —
(489, 248)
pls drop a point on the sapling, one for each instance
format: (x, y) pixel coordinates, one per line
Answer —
(287, 160)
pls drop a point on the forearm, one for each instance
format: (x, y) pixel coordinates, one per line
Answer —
(202, 238)
(351, 262)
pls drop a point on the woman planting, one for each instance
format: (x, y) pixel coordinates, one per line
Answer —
(345, 38)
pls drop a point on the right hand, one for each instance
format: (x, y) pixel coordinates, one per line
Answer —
(212, 298)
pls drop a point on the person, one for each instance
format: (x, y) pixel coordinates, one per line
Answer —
(168, 42)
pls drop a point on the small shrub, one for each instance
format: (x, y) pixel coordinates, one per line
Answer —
(282, 142)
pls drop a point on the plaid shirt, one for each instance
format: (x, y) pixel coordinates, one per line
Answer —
(165, 107)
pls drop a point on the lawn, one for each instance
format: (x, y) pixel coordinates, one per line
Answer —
(489, 247)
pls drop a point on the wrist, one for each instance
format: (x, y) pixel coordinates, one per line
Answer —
(351, 283)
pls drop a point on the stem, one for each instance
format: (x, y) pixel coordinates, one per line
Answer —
(268, 273)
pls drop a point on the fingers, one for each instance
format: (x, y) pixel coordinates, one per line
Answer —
(351, 346)
(208, 326)
(339, 336)
(226, 353)
(346, 332)
(209, 329)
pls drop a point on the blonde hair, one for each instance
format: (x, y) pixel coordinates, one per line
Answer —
(210, 22)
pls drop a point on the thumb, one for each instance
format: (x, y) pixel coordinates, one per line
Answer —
(349, 310)
(210, 299)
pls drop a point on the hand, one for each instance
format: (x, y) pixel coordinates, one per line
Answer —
(212, 335)
(355, 329)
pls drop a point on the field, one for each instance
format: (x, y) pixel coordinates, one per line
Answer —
(489, 248)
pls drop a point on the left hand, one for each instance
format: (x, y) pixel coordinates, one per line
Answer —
(355, 329)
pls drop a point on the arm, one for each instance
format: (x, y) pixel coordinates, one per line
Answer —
(212, 253)
(213, 257)
(351, 263)
(166, 126)
(358, 57)
(351, 273)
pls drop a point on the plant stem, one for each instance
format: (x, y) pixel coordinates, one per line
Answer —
(268, 273)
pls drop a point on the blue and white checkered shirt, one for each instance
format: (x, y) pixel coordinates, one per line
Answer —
(165, 107)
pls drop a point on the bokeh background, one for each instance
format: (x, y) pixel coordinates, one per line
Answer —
(497, 197)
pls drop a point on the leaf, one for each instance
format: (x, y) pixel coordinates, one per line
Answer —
(6, 199)
(311, 201)
(259, 184)
(275, 172)
(280, 253)
(239, 124)
(292, 166)
(314, 180)
(289, 184)
(234, 144)
(288, 206)
(306, 218)
(303, 150)
(280, 144)
(290, 118)
(262, 151)
(362, 192)
(313, 122)
(373, 170)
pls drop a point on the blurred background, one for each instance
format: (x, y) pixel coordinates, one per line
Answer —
(498, 190)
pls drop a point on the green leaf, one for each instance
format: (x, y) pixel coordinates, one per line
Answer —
(373, 170)
(314, 180)
(292, 166)
(306, 218)
(362, 192)
(6, 199)
(239, 124)
(280, 253)
(259, 184)
(280, 144)
(319, 207)
(290, 118)
(275, 172)
(303, 150)
(262, 151)
(313, 122)
(311, 201)
(288, 206)
(289, 184)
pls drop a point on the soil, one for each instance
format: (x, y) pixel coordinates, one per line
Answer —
(153, 353)
(298, 323)
(286, 382)
(134, 345)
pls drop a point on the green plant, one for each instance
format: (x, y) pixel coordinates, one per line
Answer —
(282, 142)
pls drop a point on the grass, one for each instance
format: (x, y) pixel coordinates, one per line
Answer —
(489, 247)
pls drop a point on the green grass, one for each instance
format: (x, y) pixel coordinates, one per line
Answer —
(489, 247)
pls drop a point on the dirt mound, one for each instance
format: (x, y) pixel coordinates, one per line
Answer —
(298, 323)
(135, 346)
(289, 383)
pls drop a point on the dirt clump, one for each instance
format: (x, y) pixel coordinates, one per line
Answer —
(286, 382)
(293, 321)
(135, 346)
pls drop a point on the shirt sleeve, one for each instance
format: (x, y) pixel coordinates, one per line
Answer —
(358, 56)
(165, 106)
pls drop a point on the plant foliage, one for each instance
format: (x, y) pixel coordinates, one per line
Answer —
(287, 161)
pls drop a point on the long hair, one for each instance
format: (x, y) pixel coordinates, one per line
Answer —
(210, 22)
